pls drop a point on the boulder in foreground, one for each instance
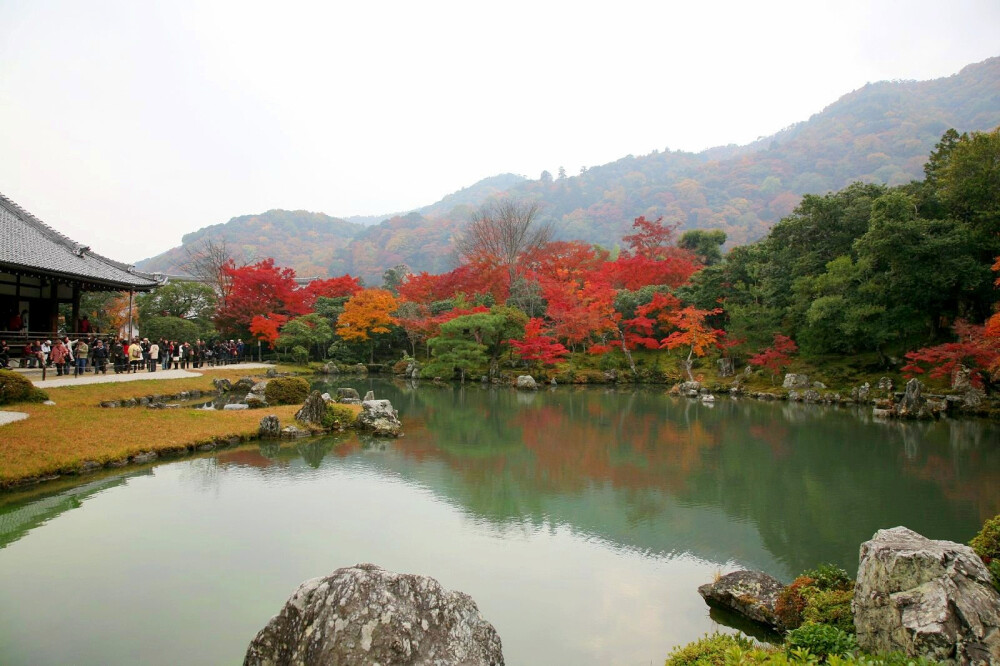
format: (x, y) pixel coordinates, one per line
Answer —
(366, 615)
(926, 598)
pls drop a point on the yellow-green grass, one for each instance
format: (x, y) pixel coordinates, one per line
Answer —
(61, 438)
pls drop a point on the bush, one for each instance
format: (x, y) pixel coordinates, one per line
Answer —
(399, 367)
(987, 546)
(711, 649)
(792, 602)
(15, 388)
(338, 415)
(821, 640)
(832, 607)
(829, 577)
(286, 391)
(300, 355)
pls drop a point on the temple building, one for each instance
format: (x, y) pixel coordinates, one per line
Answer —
(41, 269)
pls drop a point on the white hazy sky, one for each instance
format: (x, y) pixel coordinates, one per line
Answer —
(125, 124)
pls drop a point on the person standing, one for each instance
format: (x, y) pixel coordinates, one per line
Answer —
(154, 357)
(135, 355)
(59, 354)
(100, 355)
(81, 354)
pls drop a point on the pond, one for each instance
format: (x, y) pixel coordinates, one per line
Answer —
(581, 520)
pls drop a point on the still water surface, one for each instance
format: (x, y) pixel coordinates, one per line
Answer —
(580, 520)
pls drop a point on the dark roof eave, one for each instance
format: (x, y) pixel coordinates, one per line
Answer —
(117, 286)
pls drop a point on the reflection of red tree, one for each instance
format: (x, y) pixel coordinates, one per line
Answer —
(247, 458)
(775, 436)
(981, 488)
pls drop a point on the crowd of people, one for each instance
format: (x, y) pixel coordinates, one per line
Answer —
(88, 353)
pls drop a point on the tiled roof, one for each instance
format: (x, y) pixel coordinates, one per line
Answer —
(28, 243)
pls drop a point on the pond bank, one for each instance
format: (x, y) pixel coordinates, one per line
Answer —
(76, 435)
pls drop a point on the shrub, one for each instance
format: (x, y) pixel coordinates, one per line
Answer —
(399, 367)
(829, 577)
(286, 391)
(15, 388)
(821, 640)
(987, 546)
(338, 415)
(792, 602)
(587, 376)
(711, 649)
(832, 607)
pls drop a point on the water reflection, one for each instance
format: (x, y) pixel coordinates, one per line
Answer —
(672, 475)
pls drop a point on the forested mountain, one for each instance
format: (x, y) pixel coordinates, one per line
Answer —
(308, 242)
(881, 133)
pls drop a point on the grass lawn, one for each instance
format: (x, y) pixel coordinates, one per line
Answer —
(59, 439)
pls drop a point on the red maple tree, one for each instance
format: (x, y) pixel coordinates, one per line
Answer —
(777, 357)
(538, 345)
(258, 289)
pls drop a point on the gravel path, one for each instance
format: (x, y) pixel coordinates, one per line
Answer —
(139, 376)
(10, 417)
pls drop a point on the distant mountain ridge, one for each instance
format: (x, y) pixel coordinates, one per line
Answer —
(881, 132)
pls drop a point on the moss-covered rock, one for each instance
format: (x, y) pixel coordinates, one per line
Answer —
(16, 388)
(338, 416)
(286, 391)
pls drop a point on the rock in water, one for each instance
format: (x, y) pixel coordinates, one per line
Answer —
(367, 615)
(750, 593)
(925, 598)
(313, 410)
(370, 395)
(380, 418)
(270, 426)
(526, 383)
(346, 393)
(912, 404)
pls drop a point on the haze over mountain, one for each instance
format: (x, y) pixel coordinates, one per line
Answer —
(882, 133)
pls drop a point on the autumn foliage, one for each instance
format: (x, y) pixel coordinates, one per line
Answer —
(777, 357)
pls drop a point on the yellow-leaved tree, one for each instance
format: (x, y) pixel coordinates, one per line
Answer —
(367, 313)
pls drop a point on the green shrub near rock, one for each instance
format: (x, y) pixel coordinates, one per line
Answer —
(16, 388)
(725, 649)
(821, 595)
(711, 649)
(286, 391)
(338, 415)
(987, 547)
(821, 640)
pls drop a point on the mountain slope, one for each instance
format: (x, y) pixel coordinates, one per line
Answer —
(308, 242)
(881, 132)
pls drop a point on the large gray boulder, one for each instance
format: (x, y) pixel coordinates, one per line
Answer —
(750, 593)
(367, 615)
(378, 417)
(342, 393)
(244, 384)
(526, 383)
(222, 384)
(269, 427)
(313, 410)
(796, 381)
(925, 598)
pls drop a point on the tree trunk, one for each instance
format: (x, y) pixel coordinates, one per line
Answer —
(628, 354)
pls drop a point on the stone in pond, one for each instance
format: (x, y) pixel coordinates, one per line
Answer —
(367, 615)
(750, 593)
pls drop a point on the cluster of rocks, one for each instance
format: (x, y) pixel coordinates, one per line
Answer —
(410, 371)
(367, 615)
(332, 368)
(377, 417)
(914, 595)
(156, 401)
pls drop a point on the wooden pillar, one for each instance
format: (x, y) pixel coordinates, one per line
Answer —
(71, 325)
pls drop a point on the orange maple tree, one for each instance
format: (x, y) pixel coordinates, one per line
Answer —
(693, 331)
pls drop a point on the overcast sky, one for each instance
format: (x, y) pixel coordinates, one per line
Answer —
(127, 124)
